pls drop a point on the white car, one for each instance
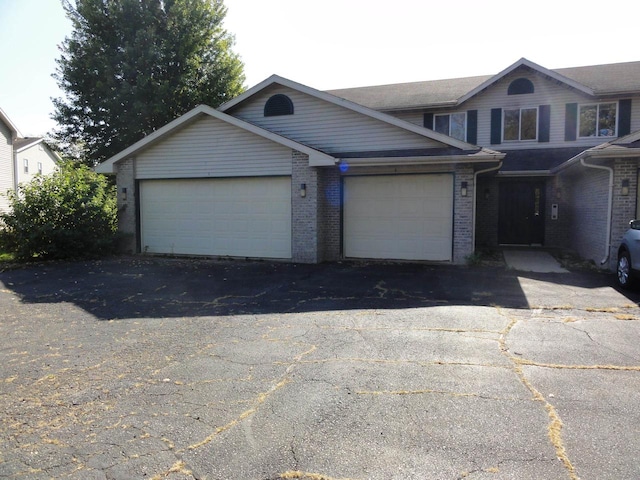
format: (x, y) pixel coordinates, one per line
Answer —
(628, 268)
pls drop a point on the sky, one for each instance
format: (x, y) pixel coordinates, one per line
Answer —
(346, 43)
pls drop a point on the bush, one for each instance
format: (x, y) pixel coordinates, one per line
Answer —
(69, 214)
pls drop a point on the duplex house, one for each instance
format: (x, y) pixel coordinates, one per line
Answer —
(21, 159)
(418, 171)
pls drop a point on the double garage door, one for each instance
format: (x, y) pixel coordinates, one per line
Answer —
(404, 217)
(240, 217)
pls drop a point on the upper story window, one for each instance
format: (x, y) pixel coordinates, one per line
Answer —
(452, 124)
(278, 104)
(26, 165)
(520, 124)
(40, 168)
(520, 86)
(597, 120)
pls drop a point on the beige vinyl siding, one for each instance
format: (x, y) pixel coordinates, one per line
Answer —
(6, 166)
(547, 92)
(328, 127)
(210, 147)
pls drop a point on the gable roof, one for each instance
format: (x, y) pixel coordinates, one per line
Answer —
(351, 105)
(7, 121)
(22, 144)
(316, 158)
(596, 80)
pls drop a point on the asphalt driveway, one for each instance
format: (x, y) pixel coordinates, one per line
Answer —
(138, 367)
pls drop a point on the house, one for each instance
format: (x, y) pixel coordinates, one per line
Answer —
(418, 171)
(21, 159)
(33, 157)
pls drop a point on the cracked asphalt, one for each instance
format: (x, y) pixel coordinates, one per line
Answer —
(137, 367)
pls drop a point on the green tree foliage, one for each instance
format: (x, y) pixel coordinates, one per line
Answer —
(131, 66)
(68, 214)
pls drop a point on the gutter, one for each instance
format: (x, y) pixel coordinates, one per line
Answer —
(475, 200)
(609, 209)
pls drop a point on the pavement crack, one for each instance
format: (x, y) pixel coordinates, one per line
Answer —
(554, 429)
(257, 402)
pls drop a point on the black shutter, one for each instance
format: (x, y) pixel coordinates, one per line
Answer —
(472, 127)
(427, 121)
(570, 122)
(544, 122)
(496, 125)
(624, 118)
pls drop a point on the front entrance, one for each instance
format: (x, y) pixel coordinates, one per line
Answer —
(521, 213)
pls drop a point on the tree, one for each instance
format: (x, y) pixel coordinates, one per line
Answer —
(131, 66)
(70, 213)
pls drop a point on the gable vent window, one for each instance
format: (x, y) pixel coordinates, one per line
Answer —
(520, 86)
(278, 105)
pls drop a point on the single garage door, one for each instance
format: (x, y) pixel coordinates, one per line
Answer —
(403, 217)
(240, 217)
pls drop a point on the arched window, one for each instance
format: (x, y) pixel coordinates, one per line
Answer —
(520, 86)
(278, 105)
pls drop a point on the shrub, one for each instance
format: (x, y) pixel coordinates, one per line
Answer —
(69, 214)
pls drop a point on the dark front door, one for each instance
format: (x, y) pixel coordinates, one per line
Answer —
(521, 213)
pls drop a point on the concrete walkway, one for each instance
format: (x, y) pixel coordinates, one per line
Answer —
(532, 261)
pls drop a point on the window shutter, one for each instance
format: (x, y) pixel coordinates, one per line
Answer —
(624, 118)
(570, 122)
(472, 126)
(544, 123)
(496, 125)
(427, 121)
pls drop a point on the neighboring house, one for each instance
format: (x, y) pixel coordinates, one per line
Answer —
(33, 157)
(418, 171)
(21, 159)
(8, 134)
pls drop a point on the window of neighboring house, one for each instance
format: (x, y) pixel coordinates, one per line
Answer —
(597, 120)
(40, 168)
(26, 165)
(453, 124)
(520, 124)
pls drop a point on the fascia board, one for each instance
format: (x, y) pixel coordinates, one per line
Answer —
(383, 117)
(108, 166)
(526, 63)
(29, 145)
(423, 160)
(10, 124)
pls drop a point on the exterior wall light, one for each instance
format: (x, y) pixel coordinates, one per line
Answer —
(124, 194)
(303, 190)
(625, 187)
(463, 189)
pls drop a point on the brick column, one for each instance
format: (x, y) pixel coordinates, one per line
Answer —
(304, 210)
(125, 179)
(463, 214)
(624, 206)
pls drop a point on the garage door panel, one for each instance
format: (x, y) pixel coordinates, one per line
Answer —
(405, 217)
(246, 217)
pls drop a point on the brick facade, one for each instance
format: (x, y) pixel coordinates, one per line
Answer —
(587, 190)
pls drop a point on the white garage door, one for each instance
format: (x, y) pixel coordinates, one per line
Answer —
(403, 217)
(243, 217)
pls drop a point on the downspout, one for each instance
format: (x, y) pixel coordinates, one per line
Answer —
(610, 207)
(475, 199)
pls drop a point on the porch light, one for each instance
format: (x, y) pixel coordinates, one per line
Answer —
(625, 187)
(303, 190)
(463, 189)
